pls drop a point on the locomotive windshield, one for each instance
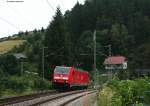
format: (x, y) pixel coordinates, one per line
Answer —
(61, 70)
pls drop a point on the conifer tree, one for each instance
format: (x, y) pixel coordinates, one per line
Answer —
(55, 40)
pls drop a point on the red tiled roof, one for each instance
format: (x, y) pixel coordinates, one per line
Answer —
(115, 60)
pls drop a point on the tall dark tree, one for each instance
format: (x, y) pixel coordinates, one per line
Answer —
(26, 33)
(75, 28)
(35, 30)
(42, 29)
(55, 40)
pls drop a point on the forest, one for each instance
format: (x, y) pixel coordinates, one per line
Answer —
(68, 40)
(122, 24)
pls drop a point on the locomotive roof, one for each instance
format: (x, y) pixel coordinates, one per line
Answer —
(72, 67)
(63, 66)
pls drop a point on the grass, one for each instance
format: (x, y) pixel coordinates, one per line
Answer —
(105, 97)
(11, 93)
(6, 46)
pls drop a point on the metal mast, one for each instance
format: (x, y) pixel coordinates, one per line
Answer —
(43, 60)
(94, 41)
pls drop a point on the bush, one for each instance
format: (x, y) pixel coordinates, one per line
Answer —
(105, 96)
(9, 64)
(130, 91)
(2, 78)
(17, 84)
(41, 84)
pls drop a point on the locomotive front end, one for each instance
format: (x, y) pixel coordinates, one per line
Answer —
(61, 77)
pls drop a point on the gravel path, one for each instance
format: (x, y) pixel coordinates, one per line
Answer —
(60, 101)
(88, 100)
(85, 98)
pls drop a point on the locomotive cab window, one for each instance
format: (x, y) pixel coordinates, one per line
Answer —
(61, 70)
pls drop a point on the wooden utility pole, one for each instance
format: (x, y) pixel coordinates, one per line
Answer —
(43, 61)
(109, 46)
(94, 41)
(21, 67)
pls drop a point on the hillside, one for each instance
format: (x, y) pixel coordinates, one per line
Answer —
(17, 79)
(68, 40)
(6, 46)
(69, 36)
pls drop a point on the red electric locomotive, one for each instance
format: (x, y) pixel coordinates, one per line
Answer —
(69, 77)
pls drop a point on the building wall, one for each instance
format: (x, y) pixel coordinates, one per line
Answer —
(116, 66)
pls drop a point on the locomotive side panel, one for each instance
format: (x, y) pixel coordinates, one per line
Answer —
(80, 78)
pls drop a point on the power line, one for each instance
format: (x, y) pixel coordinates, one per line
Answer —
(17, 12)
(22, 17)
(50, 5)
(10, 23)
(61, 3)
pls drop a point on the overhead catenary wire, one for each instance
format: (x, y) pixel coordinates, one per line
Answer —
(14, 26)
(18, 13)
(11, 24)
(21, 16)
(15, 11)
(61, 3)
(50, 5)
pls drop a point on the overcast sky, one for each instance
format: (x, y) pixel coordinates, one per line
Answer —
(29, 14)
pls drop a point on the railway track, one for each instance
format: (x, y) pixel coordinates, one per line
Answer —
(51, 98)
(17, 99)
(67, 102)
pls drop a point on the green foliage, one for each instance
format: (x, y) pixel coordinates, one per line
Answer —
(41, 84)
(58, 42)
(15, 85)
(129, 92)
(8, 64)
(123, 74)
(26, 33)
(105, 96)
(42, 29)
(124, 24)
(35, 31)
(2, 80)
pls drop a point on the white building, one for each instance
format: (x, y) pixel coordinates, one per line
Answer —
(115, 62)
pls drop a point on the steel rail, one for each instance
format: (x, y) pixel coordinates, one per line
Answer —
(75, 98)
(47, 96)
(62, 95)
(17, 99)
(65, 95)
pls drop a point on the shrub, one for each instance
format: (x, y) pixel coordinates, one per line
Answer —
(17, 84)
(130, 91)
(41, 84)
(105, 96)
